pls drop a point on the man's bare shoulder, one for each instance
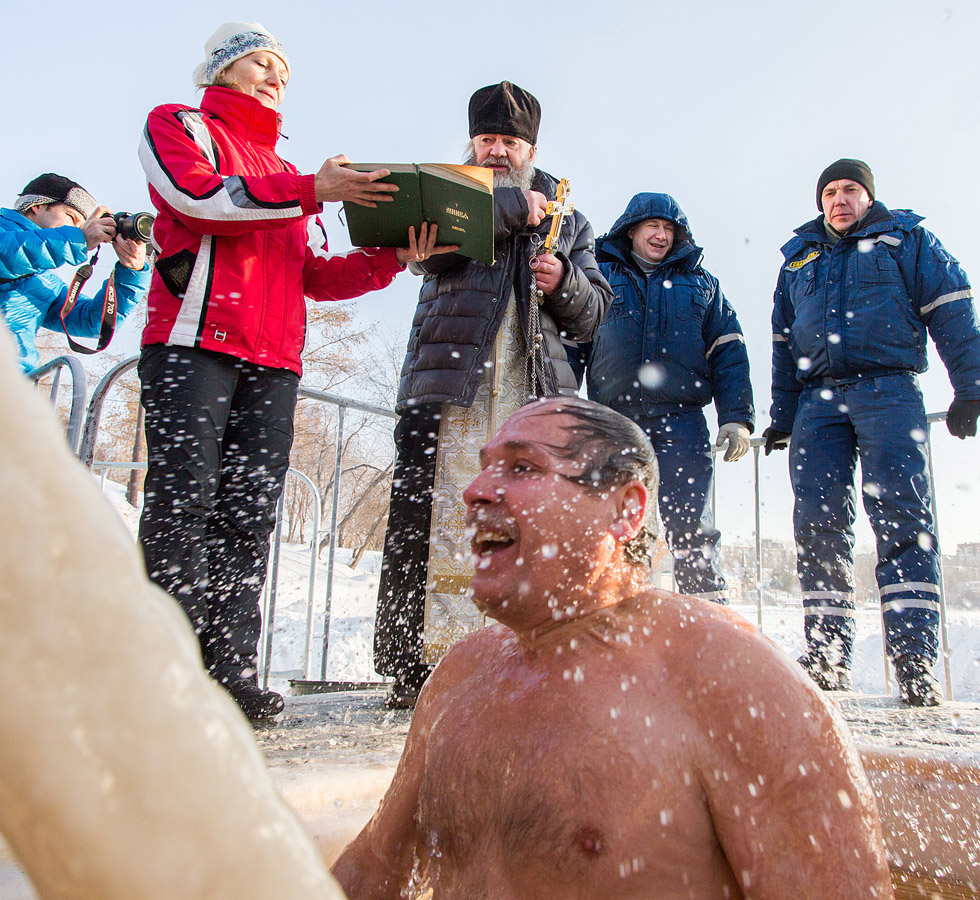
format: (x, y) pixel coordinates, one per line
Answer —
(690, 623)
(475, 657)
(733, 681)
(716, 654)
(477, 649)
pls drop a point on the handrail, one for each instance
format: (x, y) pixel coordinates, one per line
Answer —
(76, 413)
(269, 606)
(344, 403)
(87, 452)
(87, 455)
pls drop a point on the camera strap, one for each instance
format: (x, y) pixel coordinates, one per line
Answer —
(82, 274)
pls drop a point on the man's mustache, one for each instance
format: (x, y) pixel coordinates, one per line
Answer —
(498, 161)
(488, 520)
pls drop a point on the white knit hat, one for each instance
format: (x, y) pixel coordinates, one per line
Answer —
(232, 41)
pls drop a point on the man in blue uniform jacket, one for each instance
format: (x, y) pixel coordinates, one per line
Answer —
(56, 222)
(669, 345)
(860, 287)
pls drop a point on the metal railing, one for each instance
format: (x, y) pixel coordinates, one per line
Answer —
(87, 454)
(87, 451)
(272, 586)
(931, 419)
(76, 413)
(342, 404)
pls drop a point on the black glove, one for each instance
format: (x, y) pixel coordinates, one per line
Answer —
(961, 420)
(775, 440)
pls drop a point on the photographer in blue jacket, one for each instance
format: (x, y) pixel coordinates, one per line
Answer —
(860, 288)
(56, 222)
(669, 345)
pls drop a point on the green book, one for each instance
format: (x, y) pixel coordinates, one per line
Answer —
(459, 199)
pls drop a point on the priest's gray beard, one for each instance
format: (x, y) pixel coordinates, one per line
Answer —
(519, 177)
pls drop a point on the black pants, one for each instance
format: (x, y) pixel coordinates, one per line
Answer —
(401, 597)
(218, 433)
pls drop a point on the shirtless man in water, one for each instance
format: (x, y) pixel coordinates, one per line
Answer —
(606, 739)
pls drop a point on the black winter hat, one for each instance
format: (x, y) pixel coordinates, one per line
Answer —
(505, 108)
(851, 169)
(52, 188)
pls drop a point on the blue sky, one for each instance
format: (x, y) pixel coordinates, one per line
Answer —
(734, 108)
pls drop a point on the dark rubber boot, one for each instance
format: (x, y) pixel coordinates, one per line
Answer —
(828, 676)
(917, 686)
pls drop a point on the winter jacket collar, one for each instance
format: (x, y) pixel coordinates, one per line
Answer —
(243, 114)
(878, 219)
(18, 220)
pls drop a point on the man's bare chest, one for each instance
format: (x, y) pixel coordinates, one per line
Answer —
(565, 784)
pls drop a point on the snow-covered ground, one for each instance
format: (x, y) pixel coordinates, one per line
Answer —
(355, 592)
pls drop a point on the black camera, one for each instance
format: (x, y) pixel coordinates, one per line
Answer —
(133, 226)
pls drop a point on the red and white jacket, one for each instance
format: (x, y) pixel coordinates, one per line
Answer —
(239, 245)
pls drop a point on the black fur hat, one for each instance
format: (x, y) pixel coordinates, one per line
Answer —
(505, 108)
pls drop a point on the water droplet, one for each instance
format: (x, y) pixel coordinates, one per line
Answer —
(651, 375)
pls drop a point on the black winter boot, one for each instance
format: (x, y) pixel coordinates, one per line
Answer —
(917, 686)
(828, 676)
(258, 705)
(405, 689)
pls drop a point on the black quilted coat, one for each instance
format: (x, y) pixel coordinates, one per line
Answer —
(462, 303)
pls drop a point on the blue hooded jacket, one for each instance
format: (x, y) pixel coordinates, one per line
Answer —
(674, 324)
(861, 308)
(31, 295)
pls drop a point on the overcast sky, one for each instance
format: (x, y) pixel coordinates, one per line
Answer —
(734, 108)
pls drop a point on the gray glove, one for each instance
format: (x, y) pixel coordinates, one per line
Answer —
(737, 435)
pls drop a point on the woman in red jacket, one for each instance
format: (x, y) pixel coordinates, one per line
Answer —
(240, 250)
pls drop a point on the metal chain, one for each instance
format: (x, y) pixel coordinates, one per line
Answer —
(533, 339)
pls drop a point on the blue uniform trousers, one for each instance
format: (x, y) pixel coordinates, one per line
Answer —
(683, 453)
(881, 420)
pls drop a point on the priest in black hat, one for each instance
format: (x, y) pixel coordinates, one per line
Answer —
(471, 361)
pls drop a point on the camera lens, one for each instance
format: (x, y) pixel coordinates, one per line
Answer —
(135, 226)
(143, 226)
